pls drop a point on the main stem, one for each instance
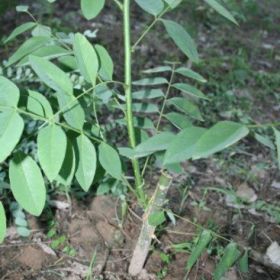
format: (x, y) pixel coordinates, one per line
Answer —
(128, 95)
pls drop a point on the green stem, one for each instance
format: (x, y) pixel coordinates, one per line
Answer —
(148, 28)
(265, 125)
(119, 4)
(128, 96)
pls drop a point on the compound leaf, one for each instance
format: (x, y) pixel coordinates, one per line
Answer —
(52, 144)
(11, 128)
(28, 47)
(106, 63)
(190, 90)
(153, 7)
(186, 72)
(86, 162)
(91, 8)
(19, 30)
(38, 104)
(86, 57)
(72, 110)
(9, 93)
(182, 39)
(183, 145)
(67, 171)
(27, 183)
(219, 137)
(186, 107)
(154, 144)
(221, 10)
(110, 160)
(178, 120)
(51, 75)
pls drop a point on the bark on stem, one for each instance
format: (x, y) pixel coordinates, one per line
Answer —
(147, 231)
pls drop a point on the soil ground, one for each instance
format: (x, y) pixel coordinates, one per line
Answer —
(242, 67)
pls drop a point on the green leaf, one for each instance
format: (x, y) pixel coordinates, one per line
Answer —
(73, 112)
(173, 3)
(19, 30)
(110, 160)
(23, 231)
(264, 140)
(178, 120)
(39, 105)
(219, 137)
(221, 10)
(27, 48)
(11, 128)
(42, 30)
(91, 8)
(69, 61)
(182, 39)
(27, 184)
(103, 92)
(106, 63)
(86, 162)
(243, 262)
(52, 144)
(159, 142)
(3, 226)
(51, 75)
(153, 7)
(183, 145)
(277, 142)
(9, 93)
(48, 52)
(151, 82)
(22, 8)
(68, 168)
(156, 218)
(230, 256)
(86, 56)
(144, 108)
(199, 248)
(190, 90)
(158, 69)
(186, 106)
(186, 72)
(147, 94)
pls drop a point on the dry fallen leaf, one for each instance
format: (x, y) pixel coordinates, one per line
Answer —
(273, 253)
(246, 193)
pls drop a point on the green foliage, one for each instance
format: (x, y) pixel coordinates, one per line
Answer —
(75, 85)
(199, 248)
(230, 256)
(221, 10)
(91, 9)
(86, 162)
(182, 39)
(11, 128)
(27, 183)
(110, 160)
(52, 144)
(86, 56)
(2, 222)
